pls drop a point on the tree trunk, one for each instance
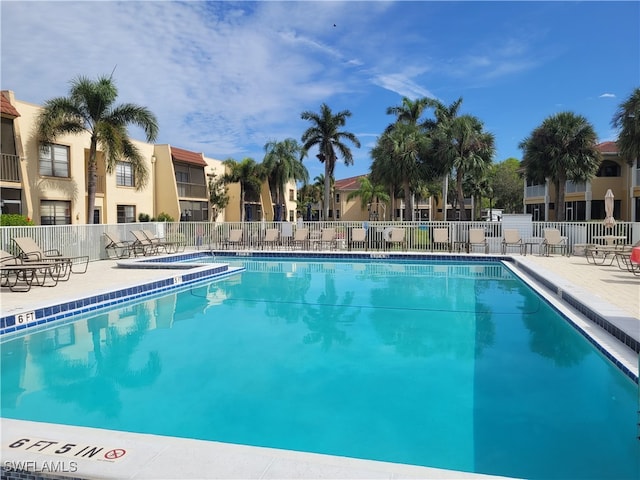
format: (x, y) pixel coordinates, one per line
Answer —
(408, 203)
(560, 193)
(460, 192)
(92, 174)
(327, 189)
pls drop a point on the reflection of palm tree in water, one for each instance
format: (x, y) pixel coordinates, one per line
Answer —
(94, 385)
(324, 317)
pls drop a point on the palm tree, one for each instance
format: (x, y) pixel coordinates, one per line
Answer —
(248, 174)
(627, 120)
(406, 141)
(282, 163)
(325, 133)
(562, 148)
(443, 117)
(370, 193)
(90, 108)
(465, 147)
(405, 144)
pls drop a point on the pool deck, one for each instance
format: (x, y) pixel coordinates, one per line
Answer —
(614, 293)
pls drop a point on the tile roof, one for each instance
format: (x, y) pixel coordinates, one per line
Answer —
(607, 147)
(6, 108)
(351, 183)
(181, 155)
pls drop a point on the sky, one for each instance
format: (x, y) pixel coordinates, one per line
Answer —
(225, 78)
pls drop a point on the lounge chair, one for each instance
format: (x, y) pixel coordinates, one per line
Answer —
(271, 238)
(511, 238)
(553, 241)
(234, 239)
(20, 276)
(477, 239)
(397, 237)
(328, 239)
(117, 248)
(301, 238)
(358, 236)
(440, 238)
(143, 246)
(169, 246)
(30, 251)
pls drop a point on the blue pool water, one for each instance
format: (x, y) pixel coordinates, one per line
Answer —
(448, 365)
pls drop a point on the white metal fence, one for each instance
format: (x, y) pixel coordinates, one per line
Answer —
(75, 240)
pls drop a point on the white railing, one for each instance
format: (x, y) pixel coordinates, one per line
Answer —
(575, 187)
(75, 240)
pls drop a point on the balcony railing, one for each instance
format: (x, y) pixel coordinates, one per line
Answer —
(534, 191)
(575, 187)
(10, 168)
(191, 190)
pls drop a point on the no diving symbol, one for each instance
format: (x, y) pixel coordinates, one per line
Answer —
(115, 453)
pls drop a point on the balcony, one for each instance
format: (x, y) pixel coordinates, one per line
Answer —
(575, 187)
(191, 190)
(534, 191)
(10, 168)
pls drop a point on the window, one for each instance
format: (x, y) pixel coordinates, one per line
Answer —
(337, 198)
(292, 193)
(337, 214)
(190, 181)
(55, 212)
(126, 213)
(124, 174)
(54, 160)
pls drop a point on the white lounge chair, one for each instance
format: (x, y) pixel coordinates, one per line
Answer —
(553, 241)
(477, 239)
(440, 239)
(511, 238)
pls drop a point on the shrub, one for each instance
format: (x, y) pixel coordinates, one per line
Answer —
(143, 217)
(14, 220)
(165, 217)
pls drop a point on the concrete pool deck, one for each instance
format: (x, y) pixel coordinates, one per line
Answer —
(613, 292)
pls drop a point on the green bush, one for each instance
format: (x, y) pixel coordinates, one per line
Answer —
(143, 217)
(165, 217)
(14, 220)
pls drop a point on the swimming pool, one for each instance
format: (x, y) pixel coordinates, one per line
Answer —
(442, 364)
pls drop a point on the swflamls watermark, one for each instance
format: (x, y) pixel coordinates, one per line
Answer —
(55, 466)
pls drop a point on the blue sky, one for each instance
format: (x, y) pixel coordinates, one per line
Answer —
(224, 78)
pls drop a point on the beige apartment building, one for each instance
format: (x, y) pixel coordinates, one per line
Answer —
(584, 201)
(428, 209)
(48, 183)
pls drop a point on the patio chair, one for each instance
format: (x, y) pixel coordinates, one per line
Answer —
(143, 246)
(397, 237)
(117, 248)
(271, 238)
(358, 236)
(477, 239)
(234, 239)
(553, 241)
(328, 238)
(440, 238)
(511, 238)
(30, 251)
(20, 276)
(301, 238)
(169, 246)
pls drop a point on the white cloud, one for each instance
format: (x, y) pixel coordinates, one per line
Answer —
(608, 95)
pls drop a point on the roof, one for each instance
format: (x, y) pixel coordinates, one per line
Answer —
(6, 108)
(351, 183)
(193, 158)
(607, 147)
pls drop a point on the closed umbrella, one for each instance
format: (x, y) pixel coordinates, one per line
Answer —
(609, 221)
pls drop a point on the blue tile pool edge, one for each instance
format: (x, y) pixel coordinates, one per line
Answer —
(11, 324)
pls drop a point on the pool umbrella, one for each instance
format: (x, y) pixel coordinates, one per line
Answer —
(609, 221)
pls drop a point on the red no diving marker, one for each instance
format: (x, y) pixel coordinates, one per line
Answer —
(115, 453)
